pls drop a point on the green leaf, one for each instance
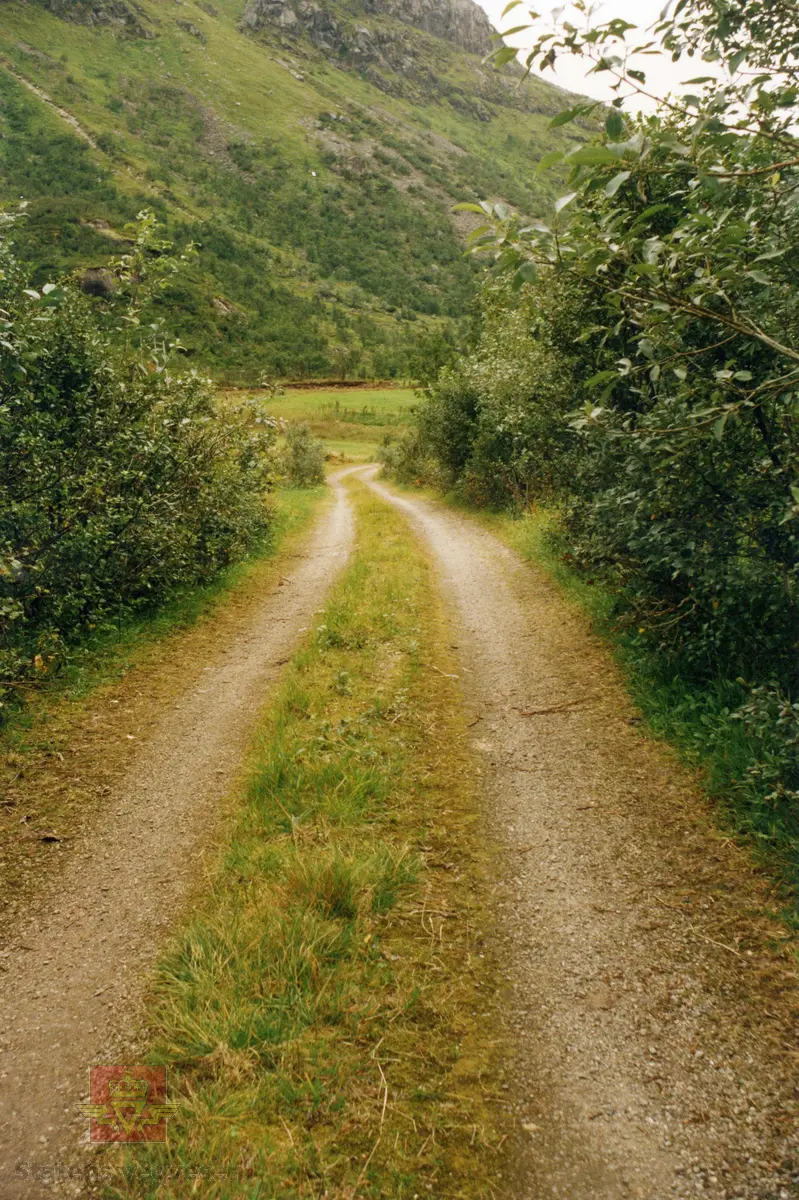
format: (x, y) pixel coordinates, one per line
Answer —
(549, 159)
(675, 144)
(528, 271)
(759, 277)
(466, 207)
(614, 125)
(53, 296)
(503, 56)
(616, 182)
(643, 217)
(719, 425)
(509, 8)
(562, 201)
(634, 145)
(601, 377)
(591, 156)
(569, 114)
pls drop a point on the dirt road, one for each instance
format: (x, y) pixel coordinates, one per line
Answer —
(649, 997)
(72, 981)
(654, 1021)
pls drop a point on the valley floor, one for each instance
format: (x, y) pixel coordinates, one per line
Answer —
(470, 933)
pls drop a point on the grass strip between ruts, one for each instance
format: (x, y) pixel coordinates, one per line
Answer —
(328, 1011)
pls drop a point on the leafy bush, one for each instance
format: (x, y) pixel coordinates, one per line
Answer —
(119, 480)
(408, 459)
(496, 419)
(637, 360)
(772, 721)
(303, 459)
(675, 240)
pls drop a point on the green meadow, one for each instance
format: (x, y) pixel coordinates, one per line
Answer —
(352, 422)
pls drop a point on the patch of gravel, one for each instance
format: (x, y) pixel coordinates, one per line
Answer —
(651, 991)
(72, 977)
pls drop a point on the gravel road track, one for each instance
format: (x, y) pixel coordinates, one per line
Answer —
(651, 996)
(70, 989)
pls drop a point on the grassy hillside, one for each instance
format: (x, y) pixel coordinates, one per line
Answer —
(317, 185)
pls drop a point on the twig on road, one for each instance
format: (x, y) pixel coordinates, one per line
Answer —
(445, 673)
(537, 712)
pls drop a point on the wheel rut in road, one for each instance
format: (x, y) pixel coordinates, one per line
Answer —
(70, 996)
(654, 1022)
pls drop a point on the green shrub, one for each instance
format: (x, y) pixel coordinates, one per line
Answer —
(119, 480)
(772, 721)
(303, 459)
(495, 418)
(637, 361)
(408, 459)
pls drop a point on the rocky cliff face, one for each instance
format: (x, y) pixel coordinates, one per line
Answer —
(124, 15)
(460, 22)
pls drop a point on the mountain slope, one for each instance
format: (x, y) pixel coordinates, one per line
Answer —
(313, 151)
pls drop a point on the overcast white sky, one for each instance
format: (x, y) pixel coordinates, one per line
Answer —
(662, 74)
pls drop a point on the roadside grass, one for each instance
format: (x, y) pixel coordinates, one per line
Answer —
(106, 655)
(328, 1010)
(694, 718)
